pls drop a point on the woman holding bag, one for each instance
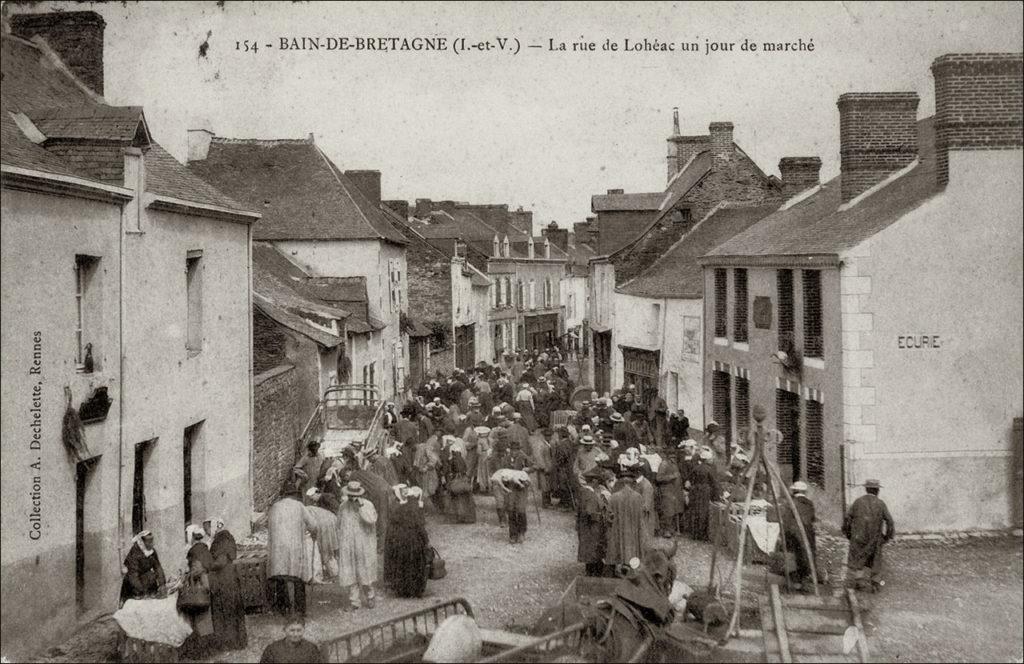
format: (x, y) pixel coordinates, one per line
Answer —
(226, 605)
(194, 597)
(406, 553)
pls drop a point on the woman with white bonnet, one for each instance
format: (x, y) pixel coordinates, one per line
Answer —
(226, 606)
(202, 641)
(143, 574)
(405, 554)
(703, 490)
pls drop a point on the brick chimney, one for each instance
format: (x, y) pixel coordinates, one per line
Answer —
(200, 135)
(424, 206)
(557, 236)
(799, 173)
(682, 148)
(367, 182)
(977, 104)
(721, 139)
(401, 208)
(877, 136)
(77, 37)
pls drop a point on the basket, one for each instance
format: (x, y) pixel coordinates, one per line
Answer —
(145, 652)
(251, 568)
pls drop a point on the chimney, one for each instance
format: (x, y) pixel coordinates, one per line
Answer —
(367, 182)
(557, 236)
(798, 174)
(401, 208)
(495, 246)
(424, 206)
(877, 136)
(547, 248)
(199, 142)
(612, 192)
(529, 247)
(977, 104)
(445, 206)
(675, 120)
(77, 37)
(721, 139)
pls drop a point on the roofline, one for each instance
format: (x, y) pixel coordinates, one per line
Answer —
(266, 308)
(772, 260)
(182, 206)
(27, 179)
(656, 220)
(334, 171)
(721, 205)
(40, 43)
(685, 296)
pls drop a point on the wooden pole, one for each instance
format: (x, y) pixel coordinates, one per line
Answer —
(778, 512)
(803, 534)
(738, 587)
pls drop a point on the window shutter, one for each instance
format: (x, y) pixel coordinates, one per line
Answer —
(533, 294)
(721, 302)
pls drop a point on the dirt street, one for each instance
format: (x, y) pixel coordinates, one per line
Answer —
(958, 600)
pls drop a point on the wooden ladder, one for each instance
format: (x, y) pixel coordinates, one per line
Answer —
(800, 628)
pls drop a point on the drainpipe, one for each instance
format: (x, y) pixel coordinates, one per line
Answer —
(252, 385)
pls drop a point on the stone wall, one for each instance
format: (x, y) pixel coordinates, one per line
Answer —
(278, 422)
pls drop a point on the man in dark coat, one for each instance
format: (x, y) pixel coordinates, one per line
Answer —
(703, 490)
(868, 525)
(626, 534)
(226, 606)
(679, 426)
(592, 521)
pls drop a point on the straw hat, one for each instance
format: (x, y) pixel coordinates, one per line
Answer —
(353, 488)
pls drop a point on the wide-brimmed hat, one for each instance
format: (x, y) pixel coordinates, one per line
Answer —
(706, 454)
(617, 417)
(353, 488)
(690, 442)
(587, 440)
(712, 423)
(798, 487)
(496, 410)
(482, 431)
(872, 484)
(473, 401)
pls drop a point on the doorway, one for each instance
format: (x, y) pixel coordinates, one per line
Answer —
(84, 473)
(787, 418)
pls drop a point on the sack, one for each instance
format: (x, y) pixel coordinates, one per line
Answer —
(459, 486)
(435, 565)
(193, 597)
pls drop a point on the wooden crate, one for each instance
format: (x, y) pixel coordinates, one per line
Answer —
(251, 567)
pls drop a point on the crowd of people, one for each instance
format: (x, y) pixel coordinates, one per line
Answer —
(518, 431)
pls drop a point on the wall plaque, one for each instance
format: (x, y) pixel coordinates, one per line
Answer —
(763, 312)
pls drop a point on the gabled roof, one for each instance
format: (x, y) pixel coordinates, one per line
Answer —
(466, 226)
(626, 202)
(300, 192)
(92, 121)
(350, 293)
(86, 135)
(821, 225)
(280, 290)
(677, 273)
(685, 180)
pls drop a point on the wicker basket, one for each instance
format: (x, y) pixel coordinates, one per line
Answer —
(251, 567)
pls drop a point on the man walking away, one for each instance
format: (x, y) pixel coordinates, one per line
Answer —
(791, 531)
(868, 525)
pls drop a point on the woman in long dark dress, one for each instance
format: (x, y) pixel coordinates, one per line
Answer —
(226, 606)
(457, 472)
(143, 574)
(405, 555)
(202, 641)
(704, 489)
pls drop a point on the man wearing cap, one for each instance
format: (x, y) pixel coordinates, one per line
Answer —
(714, 439)
(587, 458)
(679, 426)
(518, 432)
(620, 428)
(791, 530)
(592, 520)
(563, 458)
(868, 525)
(357, 541)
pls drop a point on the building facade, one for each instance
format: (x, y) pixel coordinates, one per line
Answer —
(126, 292)
(855, 284)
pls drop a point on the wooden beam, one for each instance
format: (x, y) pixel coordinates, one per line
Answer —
(862, 641)
(780, 624)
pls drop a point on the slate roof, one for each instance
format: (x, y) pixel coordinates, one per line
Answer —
(281, 291)
(301, 194)
(349, 293)
(817, 225)
(623, 202)
(86, 134)
(91, 121)
(677, 273)
(465, 225)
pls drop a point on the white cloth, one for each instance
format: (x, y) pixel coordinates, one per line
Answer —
(764, 532)
(155, 620)
(654, 460)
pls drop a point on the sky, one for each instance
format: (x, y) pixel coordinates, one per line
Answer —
(542, 129)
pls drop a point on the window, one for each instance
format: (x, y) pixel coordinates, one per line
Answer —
(784, 285)
(520, 295)
(395, 283)
(369, 378)
(721, 408)
(533, 294)
(740, 316)
(192, 471)
(787, 419)
(87, 311)
(194, 288)
(742, 404)
(813, 343)
(494, 294)
(682, 216)
(815, 444)
(143, 451)
(721, 302)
